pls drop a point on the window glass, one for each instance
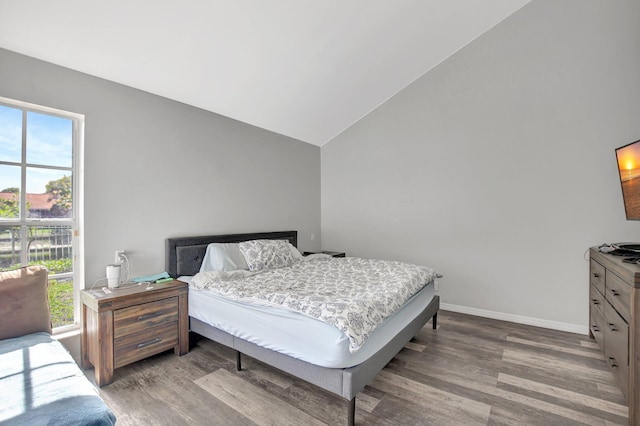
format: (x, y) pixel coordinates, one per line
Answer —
(37, 202)
(49, 193)
(9, 248)
(9, 192)
(11, 134)
(51, 246)
(49, 140)
(61, 301)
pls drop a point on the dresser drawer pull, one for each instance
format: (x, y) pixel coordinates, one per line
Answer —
(147, 316)
(150, 342)
(595, 327)
(612, 327)
(595, 301)
(596, 275)
(614, 292)
(612, 361)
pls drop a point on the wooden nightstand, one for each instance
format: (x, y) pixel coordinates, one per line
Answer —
(330, 253)
(130, 324)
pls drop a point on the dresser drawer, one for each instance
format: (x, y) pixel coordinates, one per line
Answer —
(136, 346)
(618, 293)
(597, 275)
(140, 317)
(616, 346)
(596, 314)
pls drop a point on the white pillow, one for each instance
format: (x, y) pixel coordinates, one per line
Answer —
(296, 253)
(268, 254)
(223, 257)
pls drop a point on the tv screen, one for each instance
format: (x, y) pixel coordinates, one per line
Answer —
(629, 169)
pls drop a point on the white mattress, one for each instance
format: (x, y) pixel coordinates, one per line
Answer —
(295, 334)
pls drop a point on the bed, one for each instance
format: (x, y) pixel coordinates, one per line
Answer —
(184, 257)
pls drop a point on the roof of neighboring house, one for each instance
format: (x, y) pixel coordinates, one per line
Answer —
(34, 201)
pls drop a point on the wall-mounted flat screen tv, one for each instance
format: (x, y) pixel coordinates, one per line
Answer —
(629, 168)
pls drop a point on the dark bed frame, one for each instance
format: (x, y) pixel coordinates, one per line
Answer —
(184, 257)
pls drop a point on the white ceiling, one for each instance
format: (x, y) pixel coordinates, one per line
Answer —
(301, 68)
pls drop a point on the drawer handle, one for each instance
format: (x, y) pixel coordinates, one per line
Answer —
(596, 275)
(147, 316)
(595, 301)
(612, 327)
(614, 292)
(612, 361)
(150, 342)
(595, 327)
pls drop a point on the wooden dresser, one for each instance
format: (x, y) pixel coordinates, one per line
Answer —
(614, 321)
(130, 324)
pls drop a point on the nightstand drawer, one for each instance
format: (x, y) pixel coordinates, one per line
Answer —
(134, 347)
(140, 317)
(618, 293)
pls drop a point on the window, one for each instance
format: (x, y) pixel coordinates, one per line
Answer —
(40, 205)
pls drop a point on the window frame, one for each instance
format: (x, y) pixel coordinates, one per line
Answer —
(77, 212)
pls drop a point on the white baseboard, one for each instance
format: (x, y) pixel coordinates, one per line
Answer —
(519, 319)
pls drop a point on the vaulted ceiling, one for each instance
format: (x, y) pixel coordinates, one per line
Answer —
(301, 68)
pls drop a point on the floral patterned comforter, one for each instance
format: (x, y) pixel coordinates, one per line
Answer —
(353, 294)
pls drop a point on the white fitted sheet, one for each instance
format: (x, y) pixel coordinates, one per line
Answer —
(295, 334)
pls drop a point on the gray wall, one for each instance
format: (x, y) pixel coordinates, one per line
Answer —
(497, 167)
(156, 168)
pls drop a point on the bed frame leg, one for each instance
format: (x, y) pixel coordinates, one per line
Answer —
(238, 361)
(434, 321)
(351, 420)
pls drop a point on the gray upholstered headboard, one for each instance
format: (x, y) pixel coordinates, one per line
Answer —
(183, 255)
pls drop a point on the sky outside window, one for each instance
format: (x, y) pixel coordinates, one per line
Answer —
(10, 134)
(10, 176)
(49, 142)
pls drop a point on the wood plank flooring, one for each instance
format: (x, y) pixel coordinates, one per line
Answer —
(470, 371)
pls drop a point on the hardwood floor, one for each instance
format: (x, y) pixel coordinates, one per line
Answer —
(471, 371)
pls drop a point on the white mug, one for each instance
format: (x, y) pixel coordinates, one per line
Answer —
(113, 275)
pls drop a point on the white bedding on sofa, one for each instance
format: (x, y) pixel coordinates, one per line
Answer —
(40, 384)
